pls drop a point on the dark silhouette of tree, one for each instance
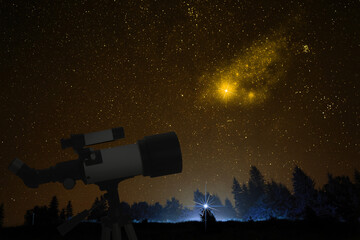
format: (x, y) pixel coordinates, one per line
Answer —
(249, 196)
(62, 215)
(69, 210)
(172, 210)
(125, 209)
(304, 192)
(53, 210)
(357, 183)
(274, 203)
(245, 201)
(236, 191)
(256, 184)
(338, 199)
(357, 190)
(252, 197)
(155, 212)
(39, 214)
(341, 193)
(323, 207)
(214, 200)
(242, 199)
(139, 211)
(357, 177)
(28, 217)
(278, 200)
(207, 216)
(1, 215)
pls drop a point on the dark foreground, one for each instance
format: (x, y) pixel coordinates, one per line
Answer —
(275, 229)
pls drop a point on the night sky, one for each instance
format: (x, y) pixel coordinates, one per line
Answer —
(267, 83)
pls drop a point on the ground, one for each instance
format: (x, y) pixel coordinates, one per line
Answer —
(273, 229)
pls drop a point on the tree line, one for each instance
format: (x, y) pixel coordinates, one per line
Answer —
(338, 199)
(171, 211)
(258, 199)
(48, 215)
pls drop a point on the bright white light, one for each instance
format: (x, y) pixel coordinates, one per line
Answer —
(205, 203)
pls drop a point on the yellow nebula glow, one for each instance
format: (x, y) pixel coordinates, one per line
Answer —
(251, 76)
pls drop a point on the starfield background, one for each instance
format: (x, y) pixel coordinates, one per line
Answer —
(263, 87)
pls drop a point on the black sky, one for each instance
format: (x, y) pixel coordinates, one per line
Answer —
(267, 83)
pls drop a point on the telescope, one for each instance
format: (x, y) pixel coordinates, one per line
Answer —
(153, 156)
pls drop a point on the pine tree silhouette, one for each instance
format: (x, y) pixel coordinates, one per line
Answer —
(28, 217)
(139, 211)
(125, 209)
(256, 184)
(249, 197)
(62, 215)
(357, 177)
(172, 210)
(342, 194)
(304, 192)
(69, 210)
(236, 191)
(278, 200)
(53, 210)
(37, 216)
(155, 212)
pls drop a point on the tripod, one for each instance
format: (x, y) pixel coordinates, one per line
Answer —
(112, 223)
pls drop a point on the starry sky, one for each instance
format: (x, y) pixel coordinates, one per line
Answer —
(267, 83)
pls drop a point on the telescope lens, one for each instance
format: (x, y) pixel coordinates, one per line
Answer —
(160, 154)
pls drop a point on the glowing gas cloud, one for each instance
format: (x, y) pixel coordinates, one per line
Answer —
(250, 77)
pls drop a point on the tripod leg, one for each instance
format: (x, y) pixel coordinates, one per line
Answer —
(130, 231)
(116, 232)
(105, 232)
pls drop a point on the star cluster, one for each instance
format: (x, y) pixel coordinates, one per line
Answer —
(267, 83)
